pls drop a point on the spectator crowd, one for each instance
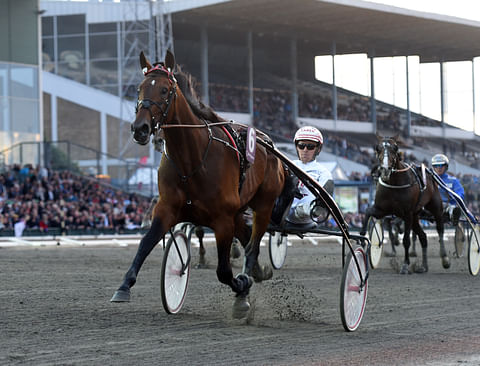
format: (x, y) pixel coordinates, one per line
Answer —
(51, 201)
(63, 202)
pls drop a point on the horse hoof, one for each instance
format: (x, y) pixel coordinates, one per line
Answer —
(244, 283)
(201, 265)
(146, 223)
(413, 253)
(235, 251)
(404, 269)
(121, 296)
(240, 307)
(262, 273)
(445, 262)
(421, 269)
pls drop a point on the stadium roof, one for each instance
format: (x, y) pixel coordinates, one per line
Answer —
(355, 26)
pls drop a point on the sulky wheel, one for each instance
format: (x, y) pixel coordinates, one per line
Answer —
(353, 295)
(277, 248)
(175, 272)
(474, 250)
(375, 234)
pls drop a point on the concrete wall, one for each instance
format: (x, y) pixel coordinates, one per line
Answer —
(19, 31)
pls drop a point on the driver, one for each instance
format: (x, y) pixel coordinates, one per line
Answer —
(308, 143)
(440, 165)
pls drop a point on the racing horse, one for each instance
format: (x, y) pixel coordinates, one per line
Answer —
(404, 190)
(201, 177)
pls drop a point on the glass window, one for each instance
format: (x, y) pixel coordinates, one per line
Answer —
(3, 80)
(103, 72)
(73, 69)
(102, 27)
(76, 43)
(25, 113)
(47, 26)
(71, 54)
(112, 89)
(23, 82)
(48, 55)
(103, 46)
(71, 24)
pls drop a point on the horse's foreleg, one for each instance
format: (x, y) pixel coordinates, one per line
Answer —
(422, 237)
(406, 246)
(369, 212)
(147, 243)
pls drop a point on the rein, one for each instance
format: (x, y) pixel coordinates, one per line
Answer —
(160, 123)
(381, 182)
(196, 126)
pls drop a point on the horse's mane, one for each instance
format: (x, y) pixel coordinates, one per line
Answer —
(186, 82)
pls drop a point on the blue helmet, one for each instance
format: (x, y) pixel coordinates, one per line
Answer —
(439, 160)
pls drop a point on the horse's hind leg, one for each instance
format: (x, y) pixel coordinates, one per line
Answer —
(443, 251)
(388, 226)
(413, 251)
(244, 233)
(240, 284)
(200, 233)
(422, 237)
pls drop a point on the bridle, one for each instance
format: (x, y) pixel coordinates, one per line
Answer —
(168, 101)
(386, 147)
(157, 124)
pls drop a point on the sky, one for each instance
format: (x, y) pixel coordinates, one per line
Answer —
(353, 72)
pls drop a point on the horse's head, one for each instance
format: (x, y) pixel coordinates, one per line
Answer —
(386, 151)
(156, 94)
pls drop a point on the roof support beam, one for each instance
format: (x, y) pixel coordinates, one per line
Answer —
(409, 115)
(373, 103)
(293, 65)
(334, 86)
(204, 63)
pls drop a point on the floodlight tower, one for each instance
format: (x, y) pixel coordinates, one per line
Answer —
(147, 27)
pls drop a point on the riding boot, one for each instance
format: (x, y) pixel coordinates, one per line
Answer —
(283, 202)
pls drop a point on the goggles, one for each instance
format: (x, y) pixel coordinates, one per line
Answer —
(302, 146)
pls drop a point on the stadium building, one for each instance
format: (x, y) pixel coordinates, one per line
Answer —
(254, 61)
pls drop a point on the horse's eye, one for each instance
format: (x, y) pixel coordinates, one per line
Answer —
(395, 148)
(164, 90)
(377, 148)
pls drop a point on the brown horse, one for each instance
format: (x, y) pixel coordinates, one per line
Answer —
(404, 190)
(201, 178)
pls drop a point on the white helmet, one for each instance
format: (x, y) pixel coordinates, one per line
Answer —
(308, 133)
(439, 160)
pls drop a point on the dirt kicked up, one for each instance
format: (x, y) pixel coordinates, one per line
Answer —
(55, 310)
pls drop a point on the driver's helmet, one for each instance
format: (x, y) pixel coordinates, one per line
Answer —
(439, 160)
(308, 133)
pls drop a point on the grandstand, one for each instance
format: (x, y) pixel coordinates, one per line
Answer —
(271, 45)
(253, 61)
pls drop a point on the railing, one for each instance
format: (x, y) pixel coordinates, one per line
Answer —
(126, 174)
